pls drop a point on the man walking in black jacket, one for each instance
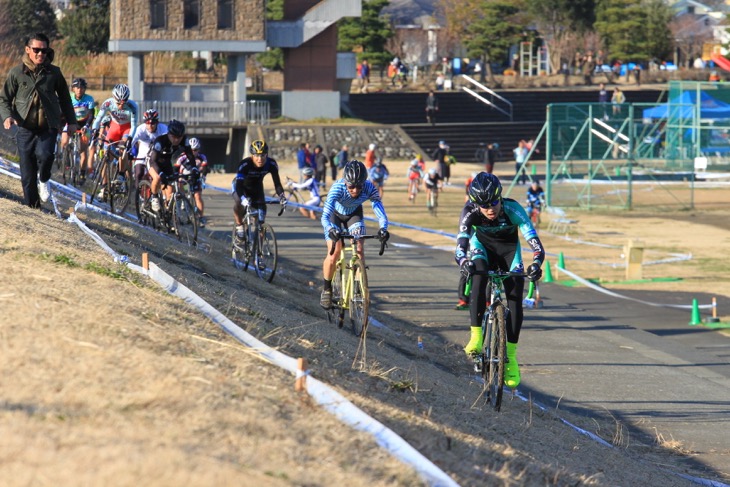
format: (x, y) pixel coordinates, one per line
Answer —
(36, 100)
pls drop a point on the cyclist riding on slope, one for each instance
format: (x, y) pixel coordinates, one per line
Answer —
(343, 209)
(144, 137)
(164, 148)
(310, 184)
(488, 240)
(84, 106)
(248, 185)
(123, 113)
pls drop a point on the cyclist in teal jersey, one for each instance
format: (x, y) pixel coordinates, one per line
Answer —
(84, 106)
(488, 240)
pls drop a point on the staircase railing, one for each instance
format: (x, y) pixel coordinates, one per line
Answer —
(494, 97)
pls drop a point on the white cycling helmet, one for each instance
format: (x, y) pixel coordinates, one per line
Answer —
(194, 143)
(121, 92)
(308, 171)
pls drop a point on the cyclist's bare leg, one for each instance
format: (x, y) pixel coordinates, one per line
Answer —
(328, 266)
(360, 251)
(199, 202)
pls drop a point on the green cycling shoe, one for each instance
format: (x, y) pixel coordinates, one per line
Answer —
(511, 367)
(476, 343)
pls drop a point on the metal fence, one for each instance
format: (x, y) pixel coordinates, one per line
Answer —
(209, 113)
(636, 155)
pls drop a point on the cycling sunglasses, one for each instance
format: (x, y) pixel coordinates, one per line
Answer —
(491, 204)
(40, 50)
(354, 186)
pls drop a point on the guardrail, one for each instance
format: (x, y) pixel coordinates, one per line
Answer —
(215, 113)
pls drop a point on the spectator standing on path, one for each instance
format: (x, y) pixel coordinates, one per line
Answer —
(364, 76)
(491, 157)
(320, 165)
(617, 99)
(370, 156)
(603, 99)
(340, 160)
(36, 100)
(637, 74)
(432, 106)
(589, 65)
(439, 156)
(520, 153)
(303, 158)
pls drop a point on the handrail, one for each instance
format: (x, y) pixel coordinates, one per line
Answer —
(492, 93)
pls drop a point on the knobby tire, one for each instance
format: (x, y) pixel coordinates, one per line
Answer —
(336, 313)
(360, 304)
(185, 220)
(267, 255)
(495, 353)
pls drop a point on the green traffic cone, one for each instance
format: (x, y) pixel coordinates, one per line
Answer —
(533, 170)
(561, 261)
(548, 274)
(696, 320)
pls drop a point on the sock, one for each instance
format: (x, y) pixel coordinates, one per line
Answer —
(328, 285)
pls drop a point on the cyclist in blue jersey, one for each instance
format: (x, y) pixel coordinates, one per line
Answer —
(343, 210)
(535, 197)
(248, 185)
(487, 240)
(84, 107)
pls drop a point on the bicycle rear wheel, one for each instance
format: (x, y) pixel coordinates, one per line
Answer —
(267, 256)
(495, 353)
(336, 312)
(185, 220)
(360, 304)
(75, 165)
(535, 217)
(240, 249)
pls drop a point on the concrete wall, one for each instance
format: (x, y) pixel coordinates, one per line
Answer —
(130, 19)
(306, 105)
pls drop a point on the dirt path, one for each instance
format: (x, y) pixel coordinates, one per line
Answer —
(107, 380)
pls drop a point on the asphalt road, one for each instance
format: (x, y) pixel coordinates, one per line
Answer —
(584, 351)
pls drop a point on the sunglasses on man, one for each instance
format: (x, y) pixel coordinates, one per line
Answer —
(40, 50)
(491, 204)
(354, 186)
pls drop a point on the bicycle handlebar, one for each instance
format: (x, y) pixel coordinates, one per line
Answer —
(344, 236)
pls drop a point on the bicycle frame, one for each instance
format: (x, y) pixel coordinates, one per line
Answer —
(346, 271)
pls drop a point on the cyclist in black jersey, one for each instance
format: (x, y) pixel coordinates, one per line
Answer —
(248, 185)
(488, 240)
(160, 156)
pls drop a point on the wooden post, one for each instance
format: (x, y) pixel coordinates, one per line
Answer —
(145, 261)
(634, 252)
(301, 382)
(83, 198)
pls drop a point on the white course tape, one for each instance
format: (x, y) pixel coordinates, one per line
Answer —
(328, 398)
(600, 289)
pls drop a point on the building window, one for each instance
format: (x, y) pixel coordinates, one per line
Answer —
(158, 14)
(191, 14)
(225, 14)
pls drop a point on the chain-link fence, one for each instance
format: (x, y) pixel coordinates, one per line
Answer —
(631, 155)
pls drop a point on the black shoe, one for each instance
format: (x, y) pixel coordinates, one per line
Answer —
(325, 300)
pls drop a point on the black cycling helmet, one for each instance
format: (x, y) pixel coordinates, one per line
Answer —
(485, 189)
(79, 82)
(355, 173)
(258, 148)
(176, 128)
(151, 115)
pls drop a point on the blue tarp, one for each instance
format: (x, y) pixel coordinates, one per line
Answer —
(683, 107)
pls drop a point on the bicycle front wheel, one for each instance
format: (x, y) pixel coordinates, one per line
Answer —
(292, 197)
(495, 353)
(360, 303)
(185, 221)
(119, 192)
(336, 312)
(267, 255)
